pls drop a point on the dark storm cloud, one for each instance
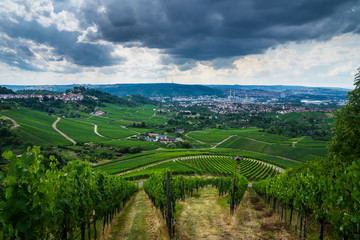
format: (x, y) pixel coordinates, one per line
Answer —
(63, 43)
(187, 30)
(208, 29)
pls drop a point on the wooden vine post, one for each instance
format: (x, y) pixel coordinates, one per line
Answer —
(232, 204)
(169, 210)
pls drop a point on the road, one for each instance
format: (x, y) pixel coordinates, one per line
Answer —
(63, 134)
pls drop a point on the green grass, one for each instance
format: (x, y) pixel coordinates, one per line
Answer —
(36, 127)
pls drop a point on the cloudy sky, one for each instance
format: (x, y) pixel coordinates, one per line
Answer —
(302, 42)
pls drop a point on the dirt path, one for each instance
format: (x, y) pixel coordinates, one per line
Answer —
(256, 221)
(63, 134)
(153, 115)
(213, 147)
(12, 120)
(139, 220)
(96, 132)
(207, 217)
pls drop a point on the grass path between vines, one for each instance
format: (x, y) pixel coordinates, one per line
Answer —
(138, 220)
(206, 216)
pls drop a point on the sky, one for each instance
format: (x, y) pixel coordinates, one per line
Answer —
(244, 42)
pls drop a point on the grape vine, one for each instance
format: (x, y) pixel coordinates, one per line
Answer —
(38, 203)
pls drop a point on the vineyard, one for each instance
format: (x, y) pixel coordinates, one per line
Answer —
(213, 165)
(225, 165)
(39, 201)
(317, 191)
(164, 191)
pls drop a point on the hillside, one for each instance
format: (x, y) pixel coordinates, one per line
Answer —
(71, 103)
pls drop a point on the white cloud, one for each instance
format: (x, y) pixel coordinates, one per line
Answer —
(41, 11)
(310, 63)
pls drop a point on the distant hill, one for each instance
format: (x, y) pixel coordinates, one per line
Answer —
(146, 90)
(159, 90)
(175, 90)
(275, 87)
(4, 90)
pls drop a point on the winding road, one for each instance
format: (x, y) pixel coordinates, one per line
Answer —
(63, 134)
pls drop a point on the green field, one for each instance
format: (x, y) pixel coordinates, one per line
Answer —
(36, 127)
(281, 151)
(176, 167)
(308, 142)
(266, 137)
(302, 154)
(78, 130)
(129, 164)
(110, 128)
(208, 164)
(130, 143)
(299, 149)
(303, 116)
(143, 113)
(278, 161)
(212, 136)
(321, 118)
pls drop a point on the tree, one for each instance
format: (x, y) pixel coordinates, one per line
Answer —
(345, 144)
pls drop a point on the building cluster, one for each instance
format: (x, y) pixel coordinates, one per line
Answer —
(154, 137)
(64, 97)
